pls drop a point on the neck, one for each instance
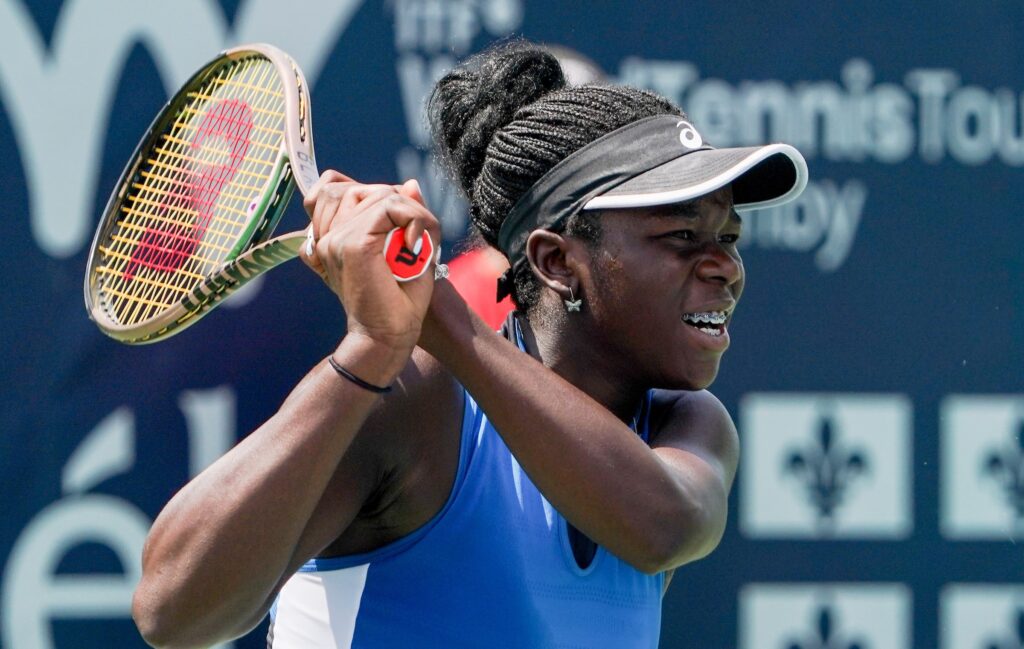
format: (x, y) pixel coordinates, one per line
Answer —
(558, 347)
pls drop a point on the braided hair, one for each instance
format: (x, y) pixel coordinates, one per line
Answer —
(504, 117)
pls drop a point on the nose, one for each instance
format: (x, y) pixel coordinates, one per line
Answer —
(720, 265)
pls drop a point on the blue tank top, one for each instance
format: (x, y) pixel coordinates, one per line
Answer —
(493, 568)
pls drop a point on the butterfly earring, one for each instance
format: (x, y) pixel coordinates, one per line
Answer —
(572, 304)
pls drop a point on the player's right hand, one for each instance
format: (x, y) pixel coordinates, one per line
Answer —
(350, 221)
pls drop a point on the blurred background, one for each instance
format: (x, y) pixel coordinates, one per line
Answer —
(876, 367)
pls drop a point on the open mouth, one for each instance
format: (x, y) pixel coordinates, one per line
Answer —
(711, 323)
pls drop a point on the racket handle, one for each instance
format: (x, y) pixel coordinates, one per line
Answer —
(406, 264)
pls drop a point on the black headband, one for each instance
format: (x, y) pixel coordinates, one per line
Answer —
(596, 168)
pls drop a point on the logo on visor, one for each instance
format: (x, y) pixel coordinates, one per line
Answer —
(688, 136)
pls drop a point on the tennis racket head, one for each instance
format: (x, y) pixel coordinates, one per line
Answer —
(205, 187)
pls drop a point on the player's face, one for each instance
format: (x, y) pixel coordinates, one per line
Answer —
(665, 283)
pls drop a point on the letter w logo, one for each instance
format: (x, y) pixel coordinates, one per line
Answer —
(58, 100)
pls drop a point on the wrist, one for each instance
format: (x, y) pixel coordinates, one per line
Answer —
(447, 316)
(374, 362)
(366, 385)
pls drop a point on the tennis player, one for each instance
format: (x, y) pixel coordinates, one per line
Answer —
(433, 483)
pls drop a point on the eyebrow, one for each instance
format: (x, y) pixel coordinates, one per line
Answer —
(688, 210)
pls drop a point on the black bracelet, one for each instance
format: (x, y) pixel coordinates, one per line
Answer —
(355, 379)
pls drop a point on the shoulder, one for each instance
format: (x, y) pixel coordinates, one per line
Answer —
(697, 422)
(690, 403)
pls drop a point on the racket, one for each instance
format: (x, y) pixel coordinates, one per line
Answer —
(189, 220)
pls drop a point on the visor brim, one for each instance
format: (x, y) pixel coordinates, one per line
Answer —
(762, 176)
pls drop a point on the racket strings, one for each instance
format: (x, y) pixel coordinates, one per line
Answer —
(170, 183)
(181, 189)
(197, 191)
(167, 249)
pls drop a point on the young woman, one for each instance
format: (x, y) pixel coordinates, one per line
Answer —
(433, 483)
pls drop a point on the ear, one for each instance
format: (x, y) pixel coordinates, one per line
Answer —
(554, 260)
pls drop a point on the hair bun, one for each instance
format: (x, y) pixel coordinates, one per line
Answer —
(480, 96)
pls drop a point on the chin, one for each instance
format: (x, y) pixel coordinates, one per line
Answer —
(695, 386)
(695, 379)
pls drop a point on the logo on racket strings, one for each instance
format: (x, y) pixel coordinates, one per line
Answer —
(224, 129)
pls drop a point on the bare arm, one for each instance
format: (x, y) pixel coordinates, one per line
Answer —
(697, 438)
(655, 508)
(224, 544)
(221, 547)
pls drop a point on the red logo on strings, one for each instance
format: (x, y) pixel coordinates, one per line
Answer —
(166, 248)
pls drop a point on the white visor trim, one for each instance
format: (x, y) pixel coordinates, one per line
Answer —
(690, 192)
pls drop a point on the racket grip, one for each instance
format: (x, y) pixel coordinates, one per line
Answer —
(405, 264)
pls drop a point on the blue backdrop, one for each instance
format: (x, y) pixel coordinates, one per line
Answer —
(875, 372)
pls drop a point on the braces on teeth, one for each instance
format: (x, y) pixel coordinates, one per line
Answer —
(709, 317)
(716, 318)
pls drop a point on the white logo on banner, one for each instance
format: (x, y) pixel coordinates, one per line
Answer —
(33, 592)
(856, 118)
(982, 616)
(982, 468)
(59, 98)
(825, 616)
(825, 466)
(823, 219)
(933, 112)
(429, 35)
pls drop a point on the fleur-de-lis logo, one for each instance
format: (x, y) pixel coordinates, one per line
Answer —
(827, 469)
(825, 636)
(1015, 639)
(1006, 467)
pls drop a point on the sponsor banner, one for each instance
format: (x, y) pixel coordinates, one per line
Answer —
(825, 616)
(38, 590)
(982, 616)
(826, 466)
(983, 467)
(878, 340)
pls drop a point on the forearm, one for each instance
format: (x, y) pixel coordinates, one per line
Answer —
(600, 475)
(224, 542)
